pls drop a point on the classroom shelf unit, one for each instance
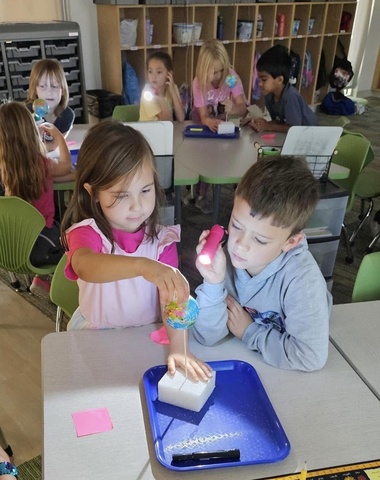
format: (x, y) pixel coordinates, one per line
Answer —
(21, 44)
(319, 28)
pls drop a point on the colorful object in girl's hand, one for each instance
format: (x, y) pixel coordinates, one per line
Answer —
(40, 109)
(231, 81)
(182, 316)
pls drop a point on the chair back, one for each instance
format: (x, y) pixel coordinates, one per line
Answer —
(367, 282)
(353, 151)
(20, 225)
(126, 113)
(64, 292)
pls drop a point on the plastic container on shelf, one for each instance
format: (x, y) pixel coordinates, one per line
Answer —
(244, 29)
(197, 31)
(183, 32)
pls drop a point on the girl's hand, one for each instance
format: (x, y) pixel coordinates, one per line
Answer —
(170, 81)
(238, 318)
(213, 123)
(228, 105)
(50, 130)
(169, 281)
(216, 271)
(196, 369)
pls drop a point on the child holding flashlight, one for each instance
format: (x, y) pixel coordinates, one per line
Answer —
(160, 97)
(217, 92)
(265, 287)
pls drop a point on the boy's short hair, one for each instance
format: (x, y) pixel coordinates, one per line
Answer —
(276, 61)
(280, 187)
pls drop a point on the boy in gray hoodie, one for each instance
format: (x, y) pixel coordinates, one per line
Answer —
(265, 286)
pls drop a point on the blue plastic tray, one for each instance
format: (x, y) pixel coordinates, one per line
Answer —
(202, 131)
(74, 157)
(237, 415)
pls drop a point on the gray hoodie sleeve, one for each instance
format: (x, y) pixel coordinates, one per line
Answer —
(211, 325)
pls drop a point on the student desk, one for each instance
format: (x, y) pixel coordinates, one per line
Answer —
(217, 162)
(224, 161)
(330, 416)
(355, 332)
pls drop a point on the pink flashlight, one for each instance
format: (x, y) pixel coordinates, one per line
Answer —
(214, 238)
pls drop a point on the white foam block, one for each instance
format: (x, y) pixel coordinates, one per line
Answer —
(183, 392)
(226, 128)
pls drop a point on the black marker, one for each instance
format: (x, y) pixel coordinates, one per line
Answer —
(217, 456)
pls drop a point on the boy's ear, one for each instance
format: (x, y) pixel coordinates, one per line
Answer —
(292, 241)
(280, 79)
(88, 187)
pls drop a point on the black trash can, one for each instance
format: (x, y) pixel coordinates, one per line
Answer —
(100, 103)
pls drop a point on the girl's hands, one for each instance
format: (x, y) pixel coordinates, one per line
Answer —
(169, 281)
(170, 82)
(196, 369)
(213, 123)
(50, 130)
(216, 271)
(228, 105)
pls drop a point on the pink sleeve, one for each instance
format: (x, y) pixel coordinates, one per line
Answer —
(238, 88)
(199, 99)
(170, 255)
(81, 237)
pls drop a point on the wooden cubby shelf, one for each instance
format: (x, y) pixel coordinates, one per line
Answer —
(319, 28)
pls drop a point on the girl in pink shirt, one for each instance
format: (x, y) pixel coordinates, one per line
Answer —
(125, 263)
(28, 173)
(217, 92)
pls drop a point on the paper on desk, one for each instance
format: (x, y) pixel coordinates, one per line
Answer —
(160, 336)
(315, 143)
(255, 112)
(93, 421)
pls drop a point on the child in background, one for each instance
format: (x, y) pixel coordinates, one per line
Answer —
(48, 82)
(213, 99)
(285, 105)
(160, 96)
(265, 287)
(28, 173)
(124, 261)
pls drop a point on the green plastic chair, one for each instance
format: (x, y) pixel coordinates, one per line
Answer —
(367, 282)
(63, 293)
(368, 188)
(126, 113)
(20, 225)
(353, 152)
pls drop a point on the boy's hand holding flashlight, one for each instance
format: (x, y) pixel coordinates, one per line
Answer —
(211, 260)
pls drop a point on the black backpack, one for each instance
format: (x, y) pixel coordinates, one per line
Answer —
(295, 67)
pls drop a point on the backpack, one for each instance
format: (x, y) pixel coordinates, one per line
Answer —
(335, 103)
(295, 67)
(307, 71)
(131, 87)
(342, 71)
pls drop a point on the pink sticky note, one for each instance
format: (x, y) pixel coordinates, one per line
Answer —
(160, 336)
(92, 421)
(268, 136)
(71, 142)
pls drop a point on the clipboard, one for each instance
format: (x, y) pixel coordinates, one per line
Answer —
(202, 131)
